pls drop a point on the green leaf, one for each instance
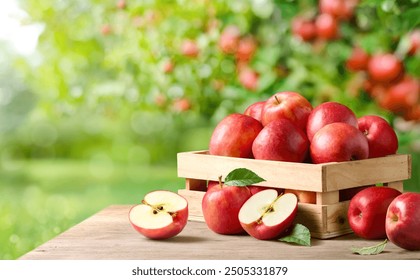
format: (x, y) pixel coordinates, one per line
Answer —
(299, 235)
(372, 250)
(242, 177)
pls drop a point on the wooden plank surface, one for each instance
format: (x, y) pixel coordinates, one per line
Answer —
(108, 235)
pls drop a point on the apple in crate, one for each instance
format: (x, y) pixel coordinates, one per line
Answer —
(368, 209)
(381, 136)
(221, 205)
(281, 140)
(254, 110)
(162, 214)
(337, 142)
(326, 113)
(267, 215)
(287, 104)
(234, 135)
(402, 222)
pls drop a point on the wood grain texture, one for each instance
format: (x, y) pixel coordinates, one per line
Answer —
(109, 236)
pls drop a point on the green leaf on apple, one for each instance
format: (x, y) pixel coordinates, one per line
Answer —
(372, 250)
(299, 235)
(242, 177)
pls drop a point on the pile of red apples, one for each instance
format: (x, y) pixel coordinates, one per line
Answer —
(286, 127)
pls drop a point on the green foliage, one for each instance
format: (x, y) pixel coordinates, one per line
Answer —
(102, 78)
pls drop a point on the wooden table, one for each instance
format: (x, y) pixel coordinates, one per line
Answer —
(109, 236)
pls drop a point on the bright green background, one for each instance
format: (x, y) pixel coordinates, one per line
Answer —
(80, 128)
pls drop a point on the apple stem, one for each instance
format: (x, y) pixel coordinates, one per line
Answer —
(278, 101)
(220, 182)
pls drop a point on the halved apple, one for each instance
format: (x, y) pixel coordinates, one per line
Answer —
(267, 215)
(162, 214)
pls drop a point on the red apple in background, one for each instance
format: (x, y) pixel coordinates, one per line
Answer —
(254, 110)
(161, 215)
(326, 27)
(234, 135)
(249, 78)
(326, 113)
(181, 104)
(246, 48)
(267, 216)
(106, 29)
(337, 142)
(385, 67)
(358, 60)
(189, 48)
(121, 4)
(303, 28)
(414, 38)
(287, 104)
(229, 39)
(303, 196)
(402, 223)
(401, 95)
(381, 136)
(281, 140)
(221, 205)
(367, 211)
(342, 9)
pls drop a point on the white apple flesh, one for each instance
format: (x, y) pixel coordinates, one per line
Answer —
(161, 215)
(266, 215)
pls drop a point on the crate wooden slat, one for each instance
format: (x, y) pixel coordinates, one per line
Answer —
(325, 219)
(299, 176)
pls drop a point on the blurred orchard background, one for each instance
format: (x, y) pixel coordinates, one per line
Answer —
(97, 97)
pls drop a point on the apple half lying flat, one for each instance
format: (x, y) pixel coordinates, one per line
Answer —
(162, 214)
(267, 215)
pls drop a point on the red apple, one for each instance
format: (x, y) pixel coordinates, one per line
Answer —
(254, 110)
(342, 9)
(385, 67)
(221, 205)
(266, 215)
(303, 196)
(337, 142)
(303, 28)
(234, 136)
(326, 27)
(161, 215)
(189, 48)
(281, 140)
(326, 113)
(367, 211)
(249, 78)
(381, 136)
(229, 39)
(358, 60)
(121, 4)
(402, 223)
(287, 104)
(246, 48)
(181, 105)
(414, 38)
(106, 29)
(401, 95)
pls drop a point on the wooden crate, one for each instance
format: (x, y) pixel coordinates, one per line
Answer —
(325, 219)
